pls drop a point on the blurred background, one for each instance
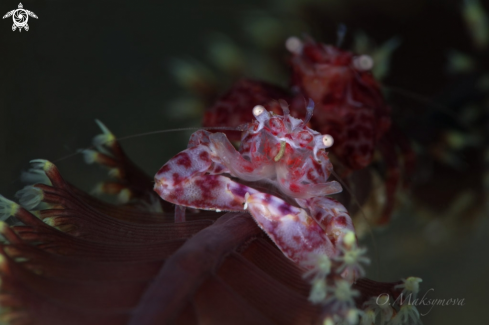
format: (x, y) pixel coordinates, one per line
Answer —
(135, 66)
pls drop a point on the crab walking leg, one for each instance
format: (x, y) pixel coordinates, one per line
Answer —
(179, 213)
(294, 232)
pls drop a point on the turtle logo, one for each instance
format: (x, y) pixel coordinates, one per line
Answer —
(20, 17)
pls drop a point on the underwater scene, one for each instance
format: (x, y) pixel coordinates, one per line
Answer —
(244, 162)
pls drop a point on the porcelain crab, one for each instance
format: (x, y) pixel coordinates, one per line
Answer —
(280, 175)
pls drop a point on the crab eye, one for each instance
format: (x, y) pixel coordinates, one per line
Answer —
(322, 142)
(262, 116)
(328, 140)
(363, 62)
(258, 110)
(293, 45)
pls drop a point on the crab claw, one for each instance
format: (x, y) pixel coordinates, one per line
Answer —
(295, 232)
(330, 214)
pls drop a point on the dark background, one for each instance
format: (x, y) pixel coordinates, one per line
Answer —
(109, 60)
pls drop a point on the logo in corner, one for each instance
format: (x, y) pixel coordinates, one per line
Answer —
(20, 17)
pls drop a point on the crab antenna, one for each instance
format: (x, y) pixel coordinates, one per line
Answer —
(262, 115)
(310, 110)
(285, 109)
(284, 106)
(341, 34)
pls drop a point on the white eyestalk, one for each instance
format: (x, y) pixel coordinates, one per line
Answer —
(294, 45)
(262, 115)
(284, 106)
(285, 109)
(363, 62)
(322, 141)
(328, 140)
(258, 110)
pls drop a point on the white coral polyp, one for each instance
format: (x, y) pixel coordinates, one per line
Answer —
(351, 258)
(410, 286)
(318, 291)
(107, 138)
(341, 298)
(35, 176)
(30, 197)
(348, 317)
(352, 316)
(90, 156)
(407, 315)
(368, 317)
(124, 196)
(381, 306)
(319, 266)
(7, 208)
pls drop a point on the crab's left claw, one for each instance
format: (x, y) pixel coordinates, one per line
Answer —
(295, 232)
(184, 180)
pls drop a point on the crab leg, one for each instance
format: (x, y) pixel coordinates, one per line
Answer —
(292, 229)
(179, 213)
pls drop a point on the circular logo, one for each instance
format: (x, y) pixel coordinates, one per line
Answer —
(20, 17)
